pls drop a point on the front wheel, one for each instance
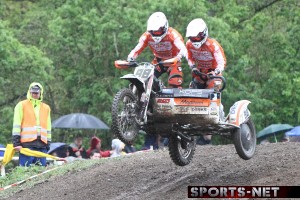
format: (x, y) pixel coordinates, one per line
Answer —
(124, 113)
(244, 140)
(180, 150)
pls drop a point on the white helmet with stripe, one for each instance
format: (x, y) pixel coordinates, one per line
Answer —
(157, 26)
(197, 32)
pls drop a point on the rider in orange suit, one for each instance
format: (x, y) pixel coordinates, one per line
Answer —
(204, 54)
(165, 43)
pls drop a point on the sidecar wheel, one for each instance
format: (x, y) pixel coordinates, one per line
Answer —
(124, 113)
(181, 151)
(244, 140)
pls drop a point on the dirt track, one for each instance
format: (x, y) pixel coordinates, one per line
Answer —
(153, 175)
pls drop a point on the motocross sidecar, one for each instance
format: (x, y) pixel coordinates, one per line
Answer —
(181, 114)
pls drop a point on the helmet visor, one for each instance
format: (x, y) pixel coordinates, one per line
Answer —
(198, 38)
(158, 32)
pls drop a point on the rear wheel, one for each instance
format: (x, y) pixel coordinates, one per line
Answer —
(181, 151)
(124, 113)
(245, 140)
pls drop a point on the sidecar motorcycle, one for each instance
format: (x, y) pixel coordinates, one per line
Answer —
(179, 114)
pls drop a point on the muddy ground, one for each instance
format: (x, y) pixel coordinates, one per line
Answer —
(153, 175)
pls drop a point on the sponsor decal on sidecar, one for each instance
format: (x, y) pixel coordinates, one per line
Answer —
(191, 102)
(163, 100)
(195, 93)
(164, 107)
(239, 112)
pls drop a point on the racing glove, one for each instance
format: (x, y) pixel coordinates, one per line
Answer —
(195, 70)
(130, 59)
(215, 72)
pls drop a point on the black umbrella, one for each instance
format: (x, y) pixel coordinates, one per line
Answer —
(79, 121)
(56, 145)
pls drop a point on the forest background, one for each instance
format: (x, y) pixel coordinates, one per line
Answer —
(70, 46)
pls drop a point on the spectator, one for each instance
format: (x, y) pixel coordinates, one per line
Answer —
(60, 152)
(96, 144)
(58, 149)
(32, 126)
(265, 141)
(150, 140)
(285, 138)
(203, 140)
(95, 154)
(164, 142)
(78, 150)
(70, 158)
(63, 152)
(129, 148)
(117, 147)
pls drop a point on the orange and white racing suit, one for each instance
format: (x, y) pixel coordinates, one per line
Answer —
(172, 45)
(207, 58)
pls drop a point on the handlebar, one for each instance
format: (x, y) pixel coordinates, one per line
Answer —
(210, 76)
(122, 64)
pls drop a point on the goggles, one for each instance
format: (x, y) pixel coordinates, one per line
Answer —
(158, 32)
(198, 38)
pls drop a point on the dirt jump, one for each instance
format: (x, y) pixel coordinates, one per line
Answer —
(152, 175)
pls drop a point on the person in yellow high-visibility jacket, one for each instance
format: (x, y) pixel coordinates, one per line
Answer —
(32, 126)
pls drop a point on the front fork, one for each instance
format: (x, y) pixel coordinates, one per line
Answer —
(144, 101)
(145, 98)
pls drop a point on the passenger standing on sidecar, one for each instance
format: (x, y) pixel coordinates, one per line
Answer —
(165, 43)
(204, 54)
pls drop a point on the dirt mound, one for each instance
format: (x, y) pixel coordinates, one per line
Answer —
(153, 175)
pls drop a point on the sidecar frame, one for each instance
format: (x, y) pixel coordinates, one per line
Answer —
(197, 111)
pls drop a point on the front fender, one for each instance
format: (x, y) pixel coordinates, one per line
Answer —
(239, 112)
(137, 81)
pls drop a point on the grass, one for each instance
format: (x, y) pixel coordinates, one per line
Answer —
(22, 173)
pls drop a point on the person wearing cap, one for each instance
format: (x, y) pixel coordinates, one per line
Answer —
(32, 126)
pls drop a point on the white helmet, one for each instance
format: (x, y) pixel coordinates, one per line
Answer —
(157, 26)
(197, 32)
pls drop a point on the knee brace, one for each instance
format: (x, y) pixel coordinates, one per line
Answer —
(175, 80)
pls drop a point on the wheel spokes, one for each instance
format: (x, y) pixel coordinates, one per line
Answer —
(127, 116)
